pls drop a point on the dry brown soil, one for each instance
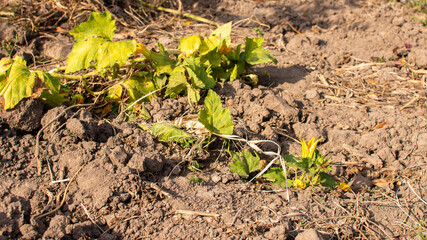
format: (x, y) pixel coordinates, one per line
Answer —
(349, 72)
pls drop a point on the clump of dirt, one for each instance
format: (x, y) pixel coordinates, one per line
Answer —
(350, 73)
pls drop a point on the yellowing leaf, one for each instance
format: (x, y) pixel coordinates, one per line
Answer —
(223, 32)
(209, 44)
(138, 86)
(18, 86)
(215, 118)
(99, 51)
(110, 53)
(94, 45)
(193, 94)
(98, 25)
(5, 65)
(82, 54)
(190, 45)
(115, 92)
(20, 83)
(170, 133)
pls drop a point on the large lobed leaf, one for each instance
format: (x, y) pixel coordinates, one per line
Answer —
(98, 25)
(215, 118)
(17, 83)
(94, 44)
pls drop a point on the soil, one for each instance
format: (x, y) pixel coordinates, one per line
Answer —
(350, 72)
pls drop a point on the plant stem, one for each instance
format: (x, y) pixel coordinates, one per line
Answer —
(74, 77)
(188, 15)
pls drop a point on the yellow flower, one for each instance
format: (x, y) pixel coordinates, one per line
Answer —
(300, 184)
(309, 149)
(344, 186)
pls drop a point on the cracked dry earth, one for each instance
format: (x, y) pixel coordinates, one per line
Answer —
(124, 184)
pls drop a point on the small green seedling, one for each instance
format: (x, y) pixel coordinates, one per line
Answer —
(244, 163)
(196, 180)
(194, 166)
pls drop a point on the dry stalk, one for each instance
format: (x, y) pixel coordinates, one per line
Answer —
(91, 219)
(64, 197)
(112, 227)
(204, 214)
(178, 12)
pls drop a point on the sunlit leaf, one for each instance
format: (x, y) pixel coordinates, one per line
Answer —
(200, 77)
(139, 86)
(110, 53)
(94, 45)
(83, 54)
(177, 83)
(21, 83)
(115, 92)
(223, 32)
(255, 54)
(170, 133)
(215, 118)
(98, 25)
(193, 94)
(244, 163)
(5, 65)
(18, 86)
(209, 44)
(190, 45)
(277, 176)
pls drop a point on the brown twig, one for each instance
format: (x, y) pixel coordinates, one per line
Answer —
(64, 197)
(204, 214)
(188, 15)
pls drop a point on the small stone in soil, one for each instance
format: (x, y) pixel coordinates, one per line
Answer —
(216, 178)
(310, 234)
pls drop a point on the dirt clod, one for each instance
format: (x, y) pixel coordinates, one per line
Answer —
(26, 116)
